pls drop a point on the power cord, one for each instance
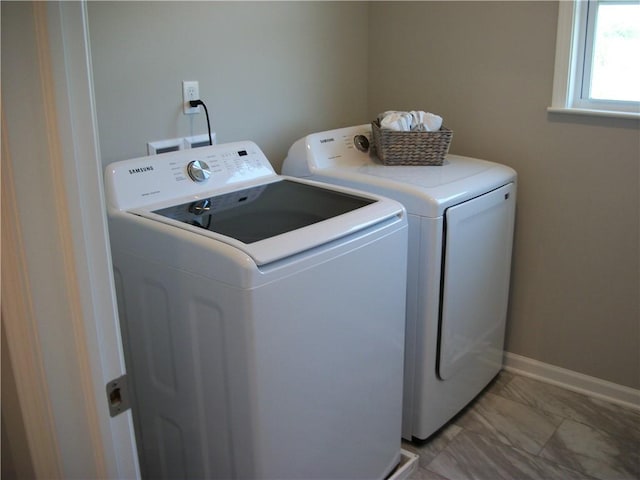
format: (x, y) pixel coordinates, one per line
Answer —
(195, 103)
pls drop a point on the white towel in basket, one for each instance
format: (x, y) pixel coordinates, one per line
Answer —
(425, 121)
(398, 121)
(417, 121)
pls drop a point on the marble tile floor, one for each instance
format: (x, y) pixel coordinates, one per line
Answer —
(519, 428)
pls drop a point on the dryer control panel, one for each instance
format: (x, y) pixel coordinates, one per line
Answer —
(343, 147)
(187, 173)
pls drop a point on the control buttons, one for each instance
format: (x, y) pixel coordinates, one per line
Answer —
(198, 170)
(361, 142)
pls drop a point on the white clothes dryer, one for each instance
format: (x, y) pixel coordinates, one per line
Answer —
(262, 318)
(461, 220)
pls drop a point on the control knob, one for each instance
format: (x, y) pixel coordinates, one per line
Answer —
(361, 142)
(198, 170)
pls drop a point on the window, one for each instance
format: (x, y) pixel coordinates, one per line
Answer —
(597, 67)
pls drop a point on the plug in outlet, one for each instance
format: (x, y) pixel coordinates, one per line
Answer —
(190, 91)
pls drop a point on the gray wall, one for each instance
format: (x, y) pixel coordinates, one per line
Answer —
(273, 72)
(268, 71)
(487, 68)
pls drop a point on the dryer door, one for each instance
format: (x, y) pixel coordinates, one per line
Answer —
(475, 284)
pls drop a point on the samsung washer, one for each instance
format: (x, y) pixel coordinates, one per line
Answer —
(262, 318)
(461, 219)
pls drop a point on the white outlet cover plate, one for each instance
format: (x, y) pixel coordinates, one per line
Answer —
(190, 91)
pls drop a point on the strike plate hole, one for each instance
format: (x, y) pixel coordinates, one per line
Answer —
(115, 398)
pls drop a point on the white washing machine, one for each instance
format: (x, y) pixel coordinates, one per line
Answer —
(461, 219)
(263, 318)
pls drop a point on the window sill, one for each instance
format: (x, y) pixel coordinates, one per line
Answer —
(594, 113)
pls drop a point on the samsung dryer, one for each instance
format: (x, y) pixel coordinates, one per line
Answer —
(461, 220)
(262, 318)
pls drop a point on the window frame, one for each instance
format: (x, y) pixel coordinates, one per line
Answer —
(571, 41)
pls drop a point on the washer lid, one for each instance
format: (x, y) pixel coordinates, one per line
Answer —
(230, 192)
(279, 219)
(264, 211)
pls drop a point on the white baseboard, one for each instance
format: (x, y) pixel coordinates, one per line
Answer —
(577, 382)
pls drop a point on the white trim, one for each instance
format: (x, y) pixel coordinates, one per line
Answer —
(594, 113)
(77, 328)
(82, 178)
(22, 336)
(62, 348)
(574, 381)
(565, 57)
(569, 65)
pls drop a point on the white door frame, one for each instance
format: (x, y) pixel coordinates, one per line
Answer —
(69, 36)
(91, 344)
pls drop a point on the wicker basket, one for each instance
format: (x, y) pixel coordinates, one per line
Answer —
(411, 148)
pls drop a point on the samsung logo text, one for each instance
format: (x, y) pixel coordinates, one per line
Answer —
(133, 171)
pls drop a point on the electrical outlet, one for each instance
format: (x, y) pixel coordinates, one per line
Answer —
(190, 91)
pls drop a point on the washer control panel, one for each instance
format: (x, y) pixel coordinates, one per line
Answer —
(157, 178)
(198, 170)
